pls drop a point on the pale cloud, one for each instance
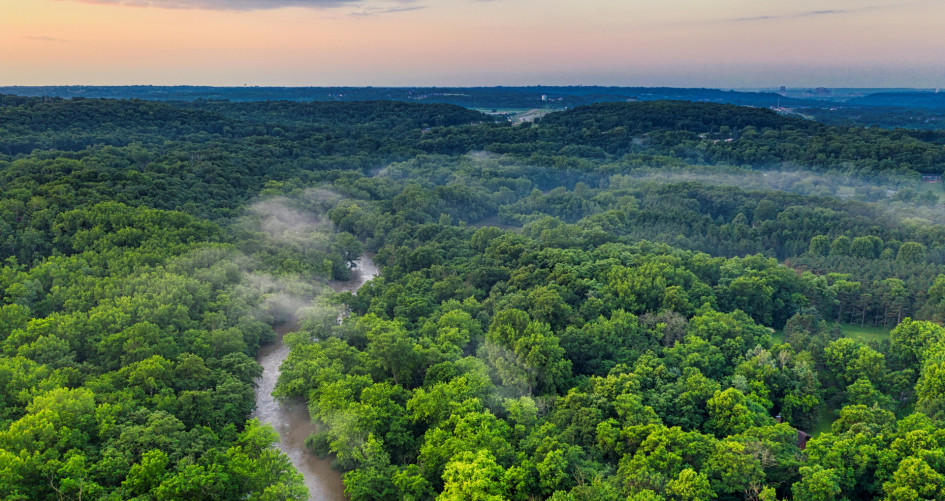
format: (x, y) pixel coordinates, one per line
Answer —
(375, 11)
(41, 38)
(225, 4)
(812, 13)
(839, 10)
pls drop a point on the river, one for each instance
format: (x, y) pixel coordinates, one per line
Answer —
(291, 419)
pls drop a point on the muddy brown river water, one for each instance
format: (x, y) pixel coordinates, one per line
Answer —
(291, 419)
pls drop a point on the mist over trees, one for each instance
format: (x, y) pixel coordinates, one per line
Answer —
(614, 302)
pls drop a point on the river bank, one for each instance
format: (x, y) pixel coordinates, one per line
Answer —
(291, 419)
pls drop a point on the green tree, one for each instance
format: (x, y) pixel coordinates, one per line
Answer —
(728, 413)
(915, 479)
(840, 246)
(148, 474)
(819, 245)
(690, 486)
(525, 354)
(911, 252)
(733, 468)
(817, 484)
(866, 247)
(473, 476)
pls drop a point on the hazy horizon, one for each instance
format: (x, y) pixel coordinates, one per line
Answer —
(444, 43)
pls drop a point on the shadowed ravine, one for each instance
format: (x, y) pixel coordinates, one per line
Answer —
(291, 419)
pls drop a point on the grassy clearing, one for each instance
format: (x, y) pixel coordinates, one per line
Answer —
(933, 188)
(494, 221)
(861, 334)
(846, 191)
(825, 418)
(864, 334)
(519, 115)
(502, 110)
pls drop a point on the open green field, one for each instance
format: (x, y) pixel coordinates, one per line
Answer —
(519, 115)
(825, 418)
(502, 110)
(864, 334)
(846, 191)
(934, 188)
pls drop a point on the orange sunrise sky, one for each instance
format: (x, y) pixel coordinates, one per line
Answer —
(721, 43)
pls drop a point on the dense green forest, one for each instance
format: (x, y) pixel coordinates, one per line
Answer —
(915, 109)
(635, 301)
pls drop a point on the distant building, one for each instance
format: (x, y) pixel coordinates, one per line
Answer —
(931, 178)
(802, 439)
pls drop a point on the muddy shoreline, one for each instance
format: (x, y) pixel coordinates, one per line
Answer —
(291, 419)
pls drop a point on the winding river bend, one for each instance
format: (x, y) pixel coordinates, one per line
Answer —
(291, 419)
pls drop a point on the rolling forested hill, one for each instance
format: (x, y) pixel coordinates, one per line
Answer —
(613, 302)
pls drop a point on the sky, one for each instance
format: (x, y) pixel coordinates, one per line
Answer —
(679, 43)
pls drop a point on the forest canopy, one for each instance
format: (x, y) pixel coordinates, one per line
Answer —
(653, 300)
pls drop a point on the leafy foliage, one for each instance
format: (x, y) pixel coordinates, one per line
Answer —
(553, 320)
